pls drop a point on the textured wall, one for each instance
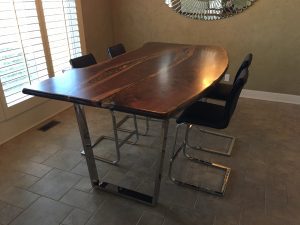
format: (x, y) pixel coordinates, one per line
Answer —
(97, 20)
(269, 29)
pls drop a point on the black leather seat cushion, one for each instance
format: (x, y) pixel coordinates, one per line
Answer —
(204, 114)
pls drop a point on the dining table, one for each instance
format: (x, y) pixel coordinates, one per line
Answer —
(157, 80)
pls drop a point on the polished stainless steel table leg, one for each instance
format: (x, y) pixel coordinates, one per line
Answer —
(112, 188)
(86, 143)
(159, 169)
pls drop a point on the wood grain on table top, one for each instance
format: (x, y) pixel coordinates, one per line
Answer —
(155, 80)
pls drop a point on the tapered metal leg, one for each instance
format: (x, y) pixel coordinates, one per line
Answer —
(87, 144)
(229, 150)
(182, 147)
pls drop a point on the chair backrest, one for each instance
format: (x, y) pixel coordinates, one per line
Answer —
(245, 64)
(233, 98)
(83, 61)
(116, 50)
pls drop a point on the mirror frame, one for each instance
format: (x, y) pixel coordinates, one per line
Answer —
(208, 9)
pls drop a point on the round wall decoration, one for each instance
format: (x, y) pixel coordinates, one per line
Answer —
(209, 9)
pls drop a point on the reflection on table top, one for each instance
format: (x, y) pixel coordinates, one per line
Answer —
(155, 80)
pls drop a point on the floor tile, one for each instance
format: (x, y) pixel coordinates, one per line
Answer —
(116, 211)
(18, 197)
(84, 185)
(44, 211)
(55, 184)
(17, 179)
(179, 216)
(77, 217)
(32, 168)
(8, 213)
(151, 219)
(83, 200)
(81, 168)
(64, 160)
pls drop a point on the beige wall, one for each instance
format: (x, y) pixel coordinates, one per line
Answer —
(269, 29)
(97, 21)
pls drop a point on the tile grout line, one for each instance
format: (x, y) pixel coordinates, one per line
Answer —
(25, 209)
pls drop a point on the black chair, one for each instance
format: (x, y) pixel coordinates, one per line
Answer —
(116, 50)
(208, 115)
(221, 91)
(88, 60)
(113, 52)
(83, 61)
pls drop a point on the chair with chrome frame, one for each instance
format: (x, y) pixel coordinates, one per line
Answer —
(221, 91)
(208, 115)
(89, 60)
(113, 52)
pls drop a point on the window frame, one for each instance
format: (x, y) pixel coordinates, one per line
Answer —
(2, 114)
(12, 111)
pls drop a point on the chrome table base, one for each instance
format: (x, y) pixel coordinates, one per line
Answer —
(93, 173)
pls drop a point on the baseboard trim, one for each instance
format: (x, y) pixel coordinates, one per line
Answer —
(36, 124)
(271, 96)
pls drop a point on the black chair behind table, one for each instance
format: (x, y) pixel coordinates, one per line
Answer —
(113, 52)
(208, 115)
(83, 61)
(116, 50)
(220, 92)
(89, 60)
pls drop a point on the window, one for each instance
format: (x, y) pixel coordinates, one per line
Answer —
(63, 32)
(37, 39)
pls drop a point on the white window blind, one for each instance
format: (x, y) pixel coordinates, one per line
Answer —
(22, 59)
(22, 47)
(63, 33)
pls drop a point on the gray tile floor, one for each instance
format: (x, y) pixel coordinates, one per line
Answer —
(44, 179)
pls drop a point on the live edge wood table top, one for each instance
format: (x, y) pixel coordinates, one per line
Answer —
(155, 80)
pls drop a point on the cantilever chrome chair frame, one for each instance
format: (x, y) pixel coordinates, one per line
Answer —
(192, 116)
(118, 142)
(182, 147)
(245, 64)
(211, 150)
